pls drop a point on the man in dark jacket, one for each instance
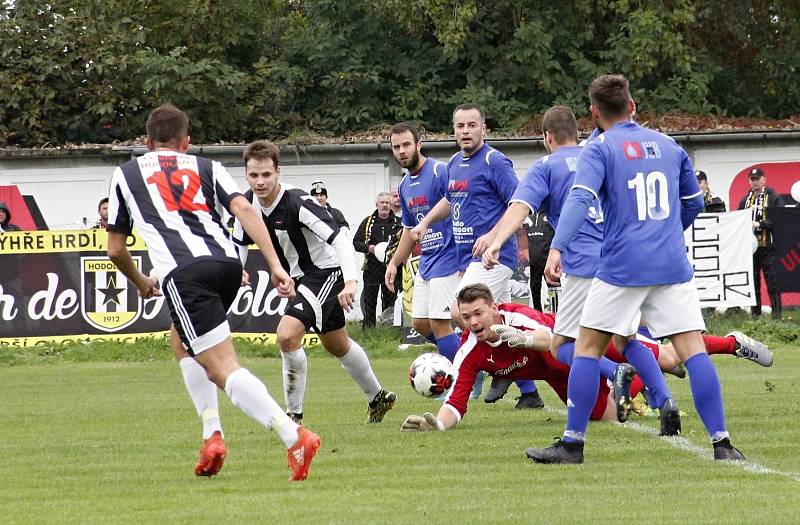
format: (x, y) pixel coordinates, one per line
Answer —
(758, 201)
(5, 220)
(713, 204)
(382, 226)
(320, 192)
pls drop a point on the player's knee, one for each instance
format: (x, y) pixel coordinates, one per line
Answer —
(288, 341)
(422, 326)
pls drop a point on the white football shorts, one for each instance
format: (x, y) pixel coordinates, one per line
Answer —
(432, 298)
(667, 308)
(497, 279)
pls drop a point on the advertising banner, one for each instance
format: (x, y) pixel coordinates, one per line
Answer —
(60, 286)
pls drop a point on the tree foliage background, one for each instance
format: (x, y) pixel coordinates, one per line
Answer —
(90, 70)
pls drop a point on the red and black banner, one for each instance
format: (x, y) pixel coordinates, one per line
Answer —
(786, 238)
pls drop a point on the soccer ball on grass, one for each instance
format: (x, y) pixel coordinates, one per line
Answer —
(431, 375)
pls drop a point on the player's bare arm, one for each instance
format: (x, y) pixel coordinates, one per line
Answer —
(404, 249)
(121, 257)
(508, 225)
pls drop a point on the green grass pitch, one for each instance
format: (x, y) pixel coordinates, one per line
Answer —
(116, 442)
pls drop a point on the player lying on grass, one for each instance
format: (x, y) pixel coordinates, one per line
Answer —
(511, 340)
(482, 349)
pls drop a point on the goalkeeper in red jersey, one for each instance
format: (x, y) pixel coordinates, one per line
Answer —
(506, 340)
(512, 341)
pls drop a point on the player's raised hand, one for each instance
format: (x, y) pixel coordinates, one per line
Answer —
(283, 283)
(245, 278)
(391, 273)
(347, 296)
(513, 336)
(491, 257)
(427, 422)
(552, 269)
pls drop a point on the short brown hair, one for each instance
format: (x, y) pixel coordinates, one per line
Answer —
(560, 122)
(467, 107)
(167, 124)
(610, 95)
(262, 150)
(473, 292)
(402, 127)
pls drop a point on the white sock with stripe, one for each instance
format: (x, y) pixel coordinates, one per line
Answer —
(356, 362)
(203, 393)
(295, 366)
(250, 395)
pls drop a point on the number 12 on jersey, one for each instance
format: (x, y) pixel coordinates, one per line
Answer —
(652, 195)
(183, 181)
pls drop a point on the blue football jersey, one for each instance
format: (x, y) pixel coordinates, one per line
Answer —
(545, 188)
(479, 189)
(640, 177)
(419, 192)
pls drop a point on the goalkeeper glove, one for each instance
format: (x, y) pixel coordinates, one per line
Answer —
(427, 422)
(512, 336)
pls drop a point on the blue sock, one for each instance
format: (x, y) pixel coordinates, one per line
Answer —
(448, 346)
(584, 380)
(566, 353)
(649, 396)
(430, 337)
(707, 394)
(526, 386)
(646, 366)
(608, 368)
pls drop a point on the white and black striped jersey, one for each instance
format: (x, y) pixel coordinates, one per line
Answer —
(302, 231)
(176, 203)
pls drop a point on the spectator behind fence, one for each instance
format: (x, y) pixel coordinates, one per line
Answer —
(5, 220)
(758, 201)
(713, 204)
(397, 209)
(102, 211)
(320, 192)
(378, 228)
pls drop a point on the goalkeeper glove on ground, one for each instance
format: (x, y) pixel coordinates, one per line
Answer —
(424, 423)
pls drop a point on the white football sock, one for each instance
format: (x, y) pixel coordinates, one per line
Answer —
(203, 393)
(356, 362)
(250, 395)
(295, 366)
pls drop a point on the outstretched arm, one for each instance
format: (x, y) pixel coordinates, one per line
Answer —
(508, 225)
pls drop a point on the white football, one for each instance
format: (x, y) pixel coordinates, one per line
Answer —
(431, 375)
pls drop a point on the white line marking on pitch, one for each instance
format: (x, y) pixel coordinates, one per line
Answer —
(686, 445)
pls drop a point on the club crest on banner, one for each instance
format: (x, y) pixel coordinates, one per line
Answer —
(109, 302)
